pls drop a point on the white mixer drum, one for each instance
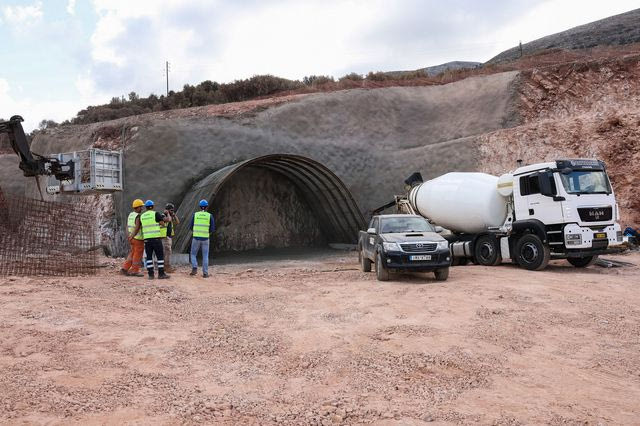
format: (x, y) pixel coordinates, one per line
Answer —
(461, 202)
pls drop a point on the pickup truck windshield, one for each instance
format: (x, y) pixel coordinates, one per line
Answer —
(586, 182)
(401, 224)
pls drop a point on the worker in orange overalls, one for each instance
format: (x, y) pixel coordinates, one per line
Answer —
(133, 263)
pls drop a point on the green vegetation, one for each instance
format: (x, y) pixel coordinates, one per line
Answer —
(211, 93)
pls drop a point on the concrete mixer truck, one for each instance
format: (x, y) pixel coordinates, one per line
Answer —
(565, 209)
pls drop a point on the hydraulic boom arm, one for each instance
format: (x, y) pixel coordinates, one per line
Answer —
(30, 163)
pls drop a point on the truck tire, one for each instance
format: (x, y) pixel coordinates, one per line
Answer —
(531, 253)
(441, 274)
(582, 262)
(365, 263)
(382, 273)
(486, 251)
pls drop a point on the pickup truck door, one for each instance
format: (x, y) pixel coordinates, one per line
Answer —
(370, 243)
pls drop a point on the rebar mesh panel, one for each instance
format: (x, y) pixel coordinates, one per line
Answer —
(45, 238)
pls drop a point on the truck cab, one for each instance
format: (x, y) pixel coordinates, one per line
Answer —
(573, 201)
(402, 242)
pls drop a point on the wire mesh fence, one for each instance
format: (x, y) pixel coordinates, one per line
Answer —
(45, 238)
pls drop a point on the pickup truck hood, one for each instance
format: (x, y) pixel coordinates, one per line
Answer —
(411, 236)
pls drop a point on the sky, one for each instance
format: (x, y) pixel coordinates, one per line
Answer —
(59, 56)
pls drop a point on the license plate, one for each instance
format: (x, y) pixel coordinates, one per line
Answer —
(421, 257)
(600, 235)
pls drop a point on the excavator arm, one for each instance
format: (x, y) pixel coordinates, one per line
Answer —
(30, 163)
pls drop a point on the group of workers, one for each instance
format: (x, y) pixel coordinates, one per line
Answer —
(151, 232)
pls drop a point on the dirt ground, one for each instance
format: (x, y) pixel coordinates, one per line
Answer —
(315, 341)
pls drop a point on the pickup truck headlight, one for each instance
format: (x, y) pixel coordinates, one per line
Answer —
(443, 245)
(573, 239)
(391, 246)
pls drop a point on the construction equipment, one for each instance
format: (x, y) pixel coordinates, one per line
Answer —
(88, 172)
(565, 209)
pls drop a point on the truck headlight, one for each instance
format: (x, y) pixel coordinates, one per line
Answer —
(443, 245)
(573, 239)
(391, 246)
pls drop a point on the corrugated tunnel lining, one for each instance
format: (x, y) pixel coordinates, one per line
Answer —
(326, 194)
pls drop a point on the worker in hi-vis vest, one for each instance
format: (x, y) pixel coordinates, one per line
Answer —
(149, 222)
(167, 232)
(133, 263)
(202, 225)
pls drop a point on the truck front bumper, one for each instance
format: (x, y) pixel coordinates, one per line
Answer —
(589, 239)
(402, 261)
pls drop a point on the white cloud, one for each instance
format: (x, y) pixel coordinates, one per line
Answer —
(71, 7)
(34, 110)
(20, 16)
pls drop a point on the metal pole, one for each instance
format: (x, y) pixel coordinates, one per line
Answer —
(167, 72)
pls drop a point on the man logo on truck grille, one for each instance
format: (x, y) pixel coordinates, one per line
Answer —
(596, 213)
(419, 245)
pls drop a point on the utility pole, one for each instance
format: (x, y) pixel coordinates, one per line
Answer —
(167, 73)
(521, 48)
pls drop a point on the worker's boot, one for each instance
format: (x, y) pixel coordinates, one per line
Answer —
(194, 271)
(137, 274)
(151, 276)
(124, 271)
(205, 275)
(162, 275)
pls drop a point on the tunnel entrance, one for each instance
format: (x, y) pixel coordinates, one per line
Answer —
(273, 202)
(259, 208)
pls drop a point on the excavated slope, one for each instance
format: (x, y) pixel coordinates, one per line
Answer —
(372, 139)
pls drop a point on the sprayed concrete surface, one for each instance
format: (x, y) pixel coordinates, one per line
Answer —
(315, 341)
(372, 139)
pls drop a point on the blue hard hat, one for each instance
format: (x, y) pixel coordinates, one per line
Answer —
(203, 203)
(148, 203)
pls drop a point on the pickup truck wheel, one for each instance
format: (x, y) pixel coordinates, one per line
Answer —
(382, 274)
(442, 274)
(582, 262)
(486, 251)
(531, 253)
(365, 263)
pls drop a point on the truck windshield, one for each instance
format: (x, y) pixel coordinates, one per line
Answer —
(586, 182)
(404, 224)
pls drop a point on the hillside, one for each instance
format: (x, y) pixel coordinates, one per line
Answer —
(437, 69)
(612, 31)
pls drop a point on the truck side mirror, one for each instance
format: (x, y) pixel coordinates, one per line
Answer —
(439, 229)
(544, 180)
(371, 231)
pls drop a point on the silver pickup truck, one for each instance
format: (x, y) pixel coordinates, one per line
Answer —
(403, 242)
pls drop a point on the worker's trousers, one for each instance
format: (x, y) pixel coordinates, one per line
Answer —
(134, 260)
(154, 246)
(166, 246)
(196, 245)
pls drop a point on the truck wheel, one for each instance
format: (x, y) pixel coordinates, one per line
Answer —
(486, 251)
(582, 262)
(365, 263)
(442, 274)
(531, 253)
(381, 272)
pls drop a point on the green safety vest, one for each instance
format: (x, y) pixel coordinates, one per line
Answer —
(131, 225)
(201, 222)
(150, 228)
(165, 227)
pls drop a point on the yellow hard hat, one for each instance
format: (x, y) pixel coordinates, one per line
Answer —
(137, 203)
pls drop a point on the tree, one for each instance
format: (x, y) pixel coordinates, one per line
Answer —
(47, 124)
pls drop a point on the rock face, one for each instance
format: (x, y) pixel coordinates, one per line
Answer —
(613, 31)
